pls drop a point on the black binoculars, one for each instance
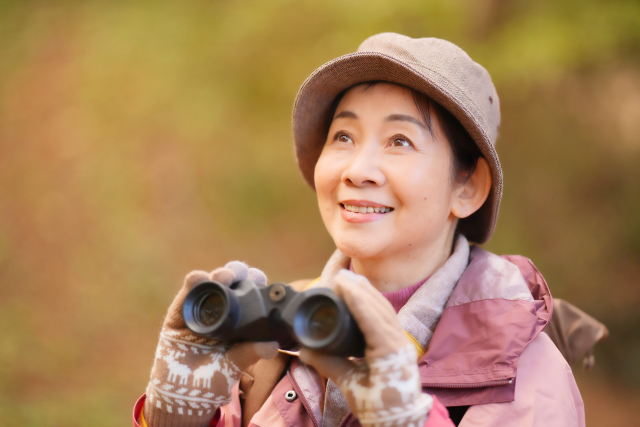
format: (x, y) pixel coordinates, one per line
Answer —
(315, 318)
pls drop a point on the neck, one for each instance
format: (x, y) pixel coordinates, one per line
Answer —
(405, 268)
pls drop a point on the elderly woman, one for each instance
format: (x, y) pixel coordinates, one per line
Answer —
(397, 140)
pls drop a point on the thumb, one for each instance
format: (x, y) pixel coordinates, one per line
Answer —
(337, 262)
(247, 353)
(334, 367)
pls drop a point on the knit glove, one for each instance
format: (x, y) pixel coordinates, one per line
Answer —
(192, 376)
(384, 388)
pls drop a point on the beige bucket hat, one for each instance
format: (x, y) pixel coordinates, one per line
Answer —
(437, 68)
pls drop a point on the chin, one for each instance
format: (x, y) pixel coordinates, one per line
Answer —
(357, 248)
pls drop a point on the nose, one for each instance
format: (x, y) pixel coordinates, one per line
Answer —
(364, 168)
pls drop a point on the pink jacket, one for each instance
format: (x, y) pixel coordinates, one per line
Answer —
(487, 353)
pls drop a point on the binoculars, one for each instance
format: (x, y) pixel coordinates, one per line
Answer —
(315, 318)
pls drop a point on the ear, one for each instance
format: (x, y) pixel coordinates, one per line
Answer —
(470, 196)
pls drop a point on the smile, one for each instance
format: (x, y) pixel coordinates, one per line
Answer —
(365, 209)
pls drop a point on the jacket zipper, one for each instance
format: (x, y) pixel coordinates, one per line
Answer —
(302, 398)
(347, 420)
(475, 385)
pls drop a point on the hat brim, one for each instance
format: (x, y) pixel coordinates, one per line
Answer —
(313, 103)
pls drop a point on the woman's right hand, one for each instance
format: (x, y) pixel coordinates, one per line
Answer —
(384, 388)
(193, 376)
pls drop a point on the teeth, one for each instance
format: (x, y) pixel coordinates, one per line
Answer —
(366, 209)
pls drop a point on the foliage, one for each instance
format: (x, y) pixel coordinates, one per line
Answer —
(140, 140)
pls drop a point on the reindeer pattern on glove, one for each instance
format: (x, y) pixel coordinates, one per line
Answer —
(177, 388)
(192, 376)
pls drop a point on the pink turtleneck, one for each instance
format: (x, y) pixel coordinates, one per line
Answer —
(399, 298)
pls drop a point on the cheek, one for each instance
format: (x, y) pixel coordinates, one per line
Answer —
(326, 179)
(425, 190)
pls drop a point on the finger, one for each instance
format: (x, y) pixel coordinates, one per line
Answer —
(258, 277)
(194, 278)
(246, 354)
(239, 268)
(374, 314)
(337, 262)
(366, 300)
(371, 310)
(334, 367)
(223, 275)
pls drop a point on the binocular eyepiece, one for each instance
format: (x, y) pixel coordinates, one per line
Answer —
(315, 318)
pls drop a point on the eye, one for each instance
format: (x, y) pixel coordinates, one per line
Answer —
(342, 137)
(401, 142)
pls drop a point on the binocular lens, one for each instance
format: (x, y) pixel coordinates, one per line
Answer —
(322, 320)
(210, 308)
(317, 319)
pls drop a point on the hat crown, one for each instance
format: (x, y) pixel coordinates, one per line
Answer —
(449, 66)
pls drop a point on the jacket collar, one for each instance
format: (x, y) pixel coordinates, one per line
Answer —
(498, 307)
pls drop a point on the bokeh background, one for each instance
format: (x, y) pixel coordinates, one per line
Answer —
(142, 139)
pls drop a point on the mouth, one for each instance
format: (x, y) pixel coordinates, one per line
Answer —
(366, 209)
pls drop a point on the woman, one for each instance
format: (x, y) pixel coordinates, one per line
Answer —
(398, 141)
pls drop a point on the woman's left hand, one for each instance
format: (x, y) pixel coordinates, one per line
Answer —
(385, 388)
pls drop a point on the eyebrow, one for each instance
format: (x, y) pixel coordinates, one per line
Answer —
(347, 114)
(390, 118)
(405, 118)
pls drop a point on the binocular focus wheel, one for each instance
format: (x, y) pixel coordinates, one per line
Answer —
(277, 292)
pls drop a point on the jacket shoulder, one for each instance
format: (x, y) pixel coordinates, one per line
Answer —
(536, 282)
(511, 277)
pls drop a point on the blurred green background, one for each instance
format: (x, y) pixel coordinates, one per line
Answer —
(142, 139)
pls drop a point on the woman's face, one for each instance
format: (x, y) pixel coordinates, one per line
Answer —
(383, 180)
